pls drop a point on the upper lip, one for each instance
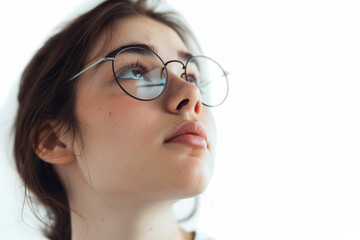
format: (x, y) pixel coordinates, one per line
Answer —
(189, 127)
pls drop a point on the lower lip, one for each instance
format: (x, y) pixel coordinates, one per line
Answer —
(190, 140)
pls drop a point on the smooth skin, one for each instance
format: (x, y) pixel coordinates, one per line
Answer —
(124, 182)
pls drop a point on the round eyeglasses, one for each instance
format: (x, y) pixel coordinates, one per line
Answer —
(142, 74)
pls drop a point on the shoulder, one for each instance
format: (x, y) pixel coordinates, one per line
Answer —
(201, 235)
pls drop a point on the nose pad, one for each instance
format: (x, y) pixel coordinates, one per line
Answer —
(182, 97)
(182, 73)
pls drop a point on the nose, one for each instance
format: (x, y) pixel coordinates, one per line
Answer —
(182, 97)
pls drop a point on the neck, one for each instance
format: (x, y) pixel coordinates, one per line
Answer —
(128, 217)
(113, 216)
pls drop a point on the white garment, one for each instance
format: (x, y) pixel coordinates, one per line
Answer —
(200, 235)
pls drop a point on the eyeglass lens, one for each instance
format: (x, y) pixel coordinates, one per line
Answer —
(142, 75)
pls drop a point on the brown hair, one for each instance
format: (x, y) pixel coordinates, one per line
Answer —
(45, 93)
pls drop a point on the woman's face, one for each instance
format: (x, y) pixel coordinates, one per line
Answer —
(125, 149)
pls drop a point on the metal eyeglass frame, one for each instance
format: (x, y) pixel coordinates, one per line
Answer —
(112, 56)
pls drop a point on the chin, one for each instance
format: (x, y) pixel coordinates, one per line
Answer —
(194, 183)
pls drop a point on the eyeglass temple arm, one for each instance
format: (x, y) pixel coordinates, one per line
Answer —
(92, 65)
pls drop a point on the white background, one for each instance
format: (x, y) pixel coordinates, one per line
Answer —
(287, 163)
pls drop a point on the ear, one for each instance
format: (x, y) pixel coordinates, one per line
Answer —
(52, 146)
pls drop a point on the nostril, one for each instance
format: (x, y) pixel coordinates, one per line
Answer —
(198, 107)
(182, 103)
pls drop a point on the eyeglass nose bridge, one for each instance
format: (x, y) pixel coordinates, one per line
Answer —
(183, 67)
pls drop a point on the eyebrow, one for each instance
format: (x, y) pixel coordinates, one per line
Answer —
(183, 55)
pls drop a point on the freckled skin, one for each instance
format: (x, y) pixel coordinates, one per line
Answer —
(134, 132)
(125, 156)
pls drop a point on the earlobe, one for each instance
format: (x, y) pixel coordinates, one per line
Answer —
(51, 146)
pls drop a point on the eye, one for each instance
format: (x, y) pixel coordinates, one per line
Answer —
(132, 74)
(192, 79)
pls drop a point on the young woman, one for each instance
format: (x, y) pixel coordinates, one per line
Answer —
(114, 124)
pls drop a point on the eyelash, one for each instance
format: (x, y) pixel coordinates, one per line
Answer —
(131, 66)
(137, 65)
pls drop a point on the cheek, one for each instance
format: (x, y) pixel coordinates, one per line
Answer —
(208, 120)
(114, 135)
(113, 124)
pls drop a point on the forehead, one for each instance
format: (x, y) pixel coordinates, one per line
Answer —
(142, 29)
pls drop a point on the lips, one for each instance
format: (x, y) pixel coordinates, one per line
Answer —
(190, 133)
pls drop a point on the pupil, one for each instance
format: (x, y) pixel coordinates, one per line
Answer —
(137, 73)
